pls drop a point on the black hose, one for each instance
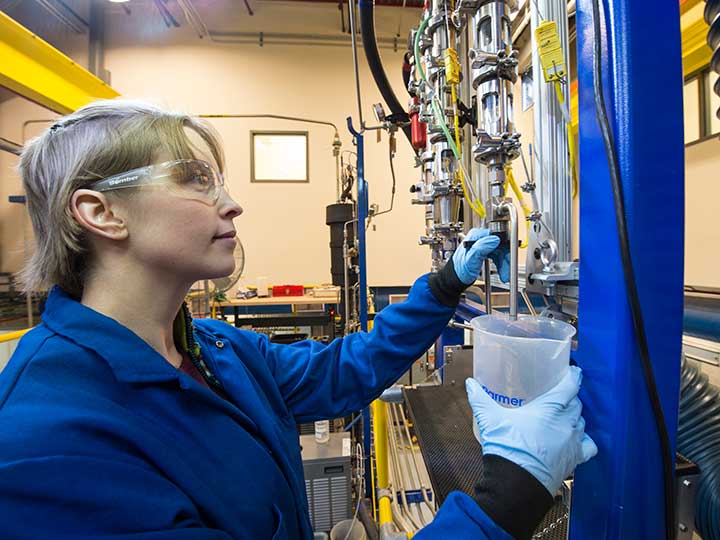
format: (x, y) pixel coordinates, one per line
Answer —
(712, 17)
(699, 440)
(365, 516)
(667, 455)
(367, 30)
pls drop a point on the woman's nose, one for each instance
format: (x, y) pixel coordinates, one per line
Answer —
(229, 209)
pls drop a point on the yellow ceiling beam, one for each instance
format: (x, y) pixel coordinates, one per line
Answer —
(687, 5)
(36, 70)
(695, 51)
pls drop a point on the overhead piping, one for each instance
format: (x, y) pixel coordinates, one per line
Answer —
(65, 14)
(276, 38)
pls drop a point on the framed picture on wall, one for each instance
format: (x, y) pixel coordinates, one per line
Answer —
(279, 156)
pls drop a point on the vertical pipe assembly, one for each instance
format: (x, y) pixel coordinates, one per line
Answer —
(494, 71)
(439, 188)
(448, 98)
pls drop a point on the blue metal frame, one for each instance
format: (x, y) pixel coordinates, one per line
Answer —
(619, 494)
(362, 214)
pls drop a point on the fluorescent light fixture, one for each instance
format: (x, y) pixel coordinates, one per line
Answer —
(118, 1)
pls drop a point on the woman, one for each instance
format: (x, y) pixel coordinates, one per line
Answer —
(121, 417)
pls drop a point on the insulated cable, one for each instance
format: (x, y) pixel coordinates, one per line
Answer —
(361, 482)
(518, 193)
(630, 281)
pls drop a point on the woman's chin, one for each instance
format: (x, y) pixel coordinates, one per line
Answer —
(219, 271)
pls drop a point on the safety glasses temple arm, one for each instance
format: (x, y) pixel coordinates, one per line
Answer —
(133, 178)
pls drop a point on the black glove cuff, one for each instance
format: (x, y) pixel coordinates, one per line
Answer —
(512, 497)
(446, 285)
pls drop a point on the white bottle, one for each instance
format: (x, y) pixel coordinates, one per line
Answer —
(322, 431)
(262, 286)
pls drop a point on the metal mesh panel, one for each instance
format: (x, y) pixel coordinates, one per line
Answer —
(442, 421)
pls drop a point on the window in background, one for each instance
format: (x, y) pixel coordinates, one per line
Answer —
(279, 156)
(713, 104)
(691, 109)
(527, 90)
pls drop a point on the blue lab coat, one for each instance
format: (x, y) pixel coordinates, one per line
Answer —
(101, 438)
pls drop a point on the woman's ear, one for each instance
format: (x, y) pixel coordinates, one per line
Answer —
(93, 212)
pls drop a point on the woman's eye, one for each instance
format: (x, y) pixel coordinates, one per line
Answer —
(200, 180)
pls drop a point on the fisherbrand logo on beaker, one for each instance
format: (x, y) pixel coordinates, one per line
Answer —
(503, 399)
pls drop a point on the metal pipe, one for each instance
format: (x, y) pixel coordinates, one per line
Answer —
(66, 15)
(272, 116)
(385, 480)
(337, 177)
(396, 483)
(528, 303)
(353, 35)
(406, 478)
(346, 275)
(462, 326)
(488, 286)
(423, 488)
(10, 146)
(509, 207)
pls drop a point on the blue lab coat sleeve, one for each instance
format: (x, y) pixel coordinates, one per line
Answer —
(508, 504)
(461, 517)
(328, 381)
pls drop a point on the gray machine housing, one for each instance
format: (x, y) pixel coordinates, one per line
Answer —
(328, 473)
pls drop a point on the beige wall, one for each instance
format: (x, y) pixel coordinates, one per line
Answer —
(283, 228)
(702, 209)
(15, 229)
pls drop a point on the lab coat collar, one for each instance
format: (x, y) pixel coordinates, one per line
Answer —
(131, 359)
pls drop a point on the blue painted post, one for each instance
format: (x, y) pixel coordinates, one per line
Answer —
(362, 214)
(619, 494)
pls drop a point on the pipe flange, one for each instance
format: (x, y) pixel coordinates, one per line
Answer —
(384, 492)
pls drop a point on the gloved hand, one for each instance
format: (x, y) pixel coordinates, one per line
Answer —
(501, 258)
(468, 262)
(546, 437)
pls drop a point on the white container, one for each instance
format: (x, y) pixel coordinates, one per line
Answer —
(517, 361)
(262, 286)
(322, 431)
(348, 529)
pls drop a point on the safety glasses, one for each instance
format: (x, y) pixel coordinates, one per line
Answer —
(187, 178)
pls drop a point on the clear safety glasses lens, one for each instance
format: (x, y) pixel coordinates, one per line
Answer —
(191, 179)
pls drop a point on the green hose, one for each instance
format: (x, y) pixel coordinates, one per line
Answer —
(437, 110)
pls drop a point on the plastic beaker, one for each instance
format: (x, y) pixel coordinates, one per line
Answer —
(515, 361)
(349, 529)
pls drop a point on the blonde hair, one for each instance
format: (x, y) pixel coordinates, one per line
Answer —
(101, 139)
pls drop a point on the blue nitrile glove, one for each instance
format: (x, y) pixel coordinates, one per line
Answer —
(501, 258)
(546, 437)
(468, 262)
